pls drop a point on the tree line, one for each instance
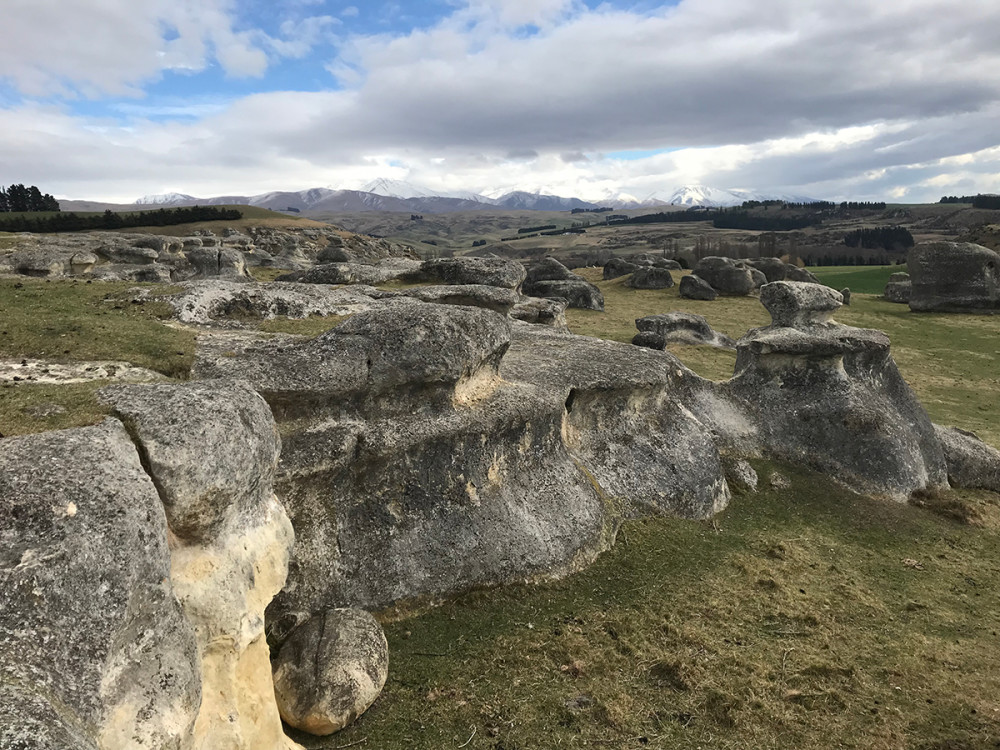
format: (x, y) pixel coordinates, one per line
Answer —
(888, 238)
(21, 199)
(978, 201)
(72, 222)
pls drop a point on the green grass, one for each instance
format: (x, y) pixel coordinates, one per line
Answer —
(806, 618)
(860, 279)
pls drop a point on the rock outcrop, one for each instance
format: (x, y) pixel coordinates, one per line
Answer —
(954, 277)
(650, 277)
(971, 462)
(551, 279)
(728, 276)
(695, 287)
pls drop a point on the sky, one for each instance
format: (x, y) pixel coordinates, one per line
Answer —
(834, 99)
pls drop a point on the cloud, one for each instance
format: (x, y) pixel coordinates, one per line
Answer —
(841, 97)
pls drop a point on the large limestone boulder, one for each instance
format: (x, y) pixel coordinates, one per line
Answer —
(831, 396)
(618, 267)
(495, 298)
(215, 263)
(355, 273)
(651, 277)
(695, 287)
(727, 276)
(551, 279)
(541, 311)
(94, 650)
(953, 277)
(330, 670)
(499, 272)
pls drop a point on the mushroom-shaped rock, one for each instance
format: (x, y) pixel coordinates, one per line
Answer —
(330, 670)
(651, 277)
(899, 288)
(796, 304)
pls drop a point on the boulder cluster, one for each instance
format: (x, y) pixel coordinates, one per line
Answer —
(202, 565)
(713, 276)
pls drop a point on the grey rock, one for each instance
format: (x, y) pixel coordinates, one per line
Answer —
(495, 298)
(94, 650)
(499, 272)
(212, 263)
(797, 304)
(546, 312)
(355, 273)
(201, 496)
(39, 262)
(758, 278)
(774, 269)
(617, 267)
(794, 273)
(330, 670)
(682, 328)
(668, 263)
(953, 277)
(153, 273)
(725, 275)
(694, 287)
(121, 252)
(335, 253)
(971, 462)
(549, 269)
(579, 293)
(741, 475)
(846, 294)
(899, 288)
(651, 277)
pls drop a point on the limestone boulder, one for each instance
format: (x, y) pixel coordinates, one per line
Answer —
(371, 273)
(618, 267)
(150, 273)
(499, 272)
(971, 462)
(94, 650)
(795, 304)
(899, 288)
(579, 293)
(656, 331)
(495, 298)
(774, 269)
(726, 276)
(695, 287)
(218, 263)
(546, 312)
(794, 273)
(650, 277)
(953, 277)
(330, 670)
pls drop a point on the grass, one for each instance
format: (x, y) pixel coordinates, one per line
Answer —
(860, 279)
(806, 617)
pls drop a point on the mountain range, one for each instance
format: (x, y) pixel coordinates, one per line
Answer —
(397, 195)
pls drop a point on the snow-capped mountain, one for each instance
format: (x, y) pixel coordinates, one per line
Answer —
(402, 189)
(710, 197)
(164, 199)
(524, 201)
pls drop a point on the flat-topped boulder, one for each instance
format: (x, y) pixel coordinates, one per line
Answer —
(650, 277)
(898, 288)
(797, 304)
(953, 277)
(498, 272)
(551, 279)
(375, 273)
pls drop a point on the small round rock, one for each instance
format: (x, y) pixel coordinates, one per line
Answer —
(330, 670)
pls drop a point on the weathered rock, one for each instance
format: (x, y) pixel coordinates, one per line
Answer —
(774, 269)
(899, 288)
(682, 328)
(495, 298)
(330, 670)
(741, 475)
(546, 312)
(580, 294)
(725, 275)
(846, 294)
(355, 273)
(121, 252)
(152, 273)
(668, 263)
(953, 277)
(335, 253)
(549, 269)
(212, 263)
(694, 287)
(794, 273)
(617, 267)
(499, 272)
(831, 396)
(971, 462)
(228, 303)
(797, 304)
(650, 277)
(212, 449)
(94, 650)
(757, 277)
(39, 262)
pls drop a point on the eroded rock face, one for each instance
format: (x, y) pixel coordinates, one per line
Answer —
(618, 267)
(94, 649)
(651, 277)
(831, 396)
(499, 272)
(953, 277)
(971, 462)
(656, 331)
(212, 449)
(330, 670)
(546, 312)
(355, 273)
(727, 276)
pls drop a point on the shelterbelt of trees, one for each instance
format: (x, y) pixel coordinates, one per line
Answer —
(20, 198)
(977, 201)
(71, 222)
